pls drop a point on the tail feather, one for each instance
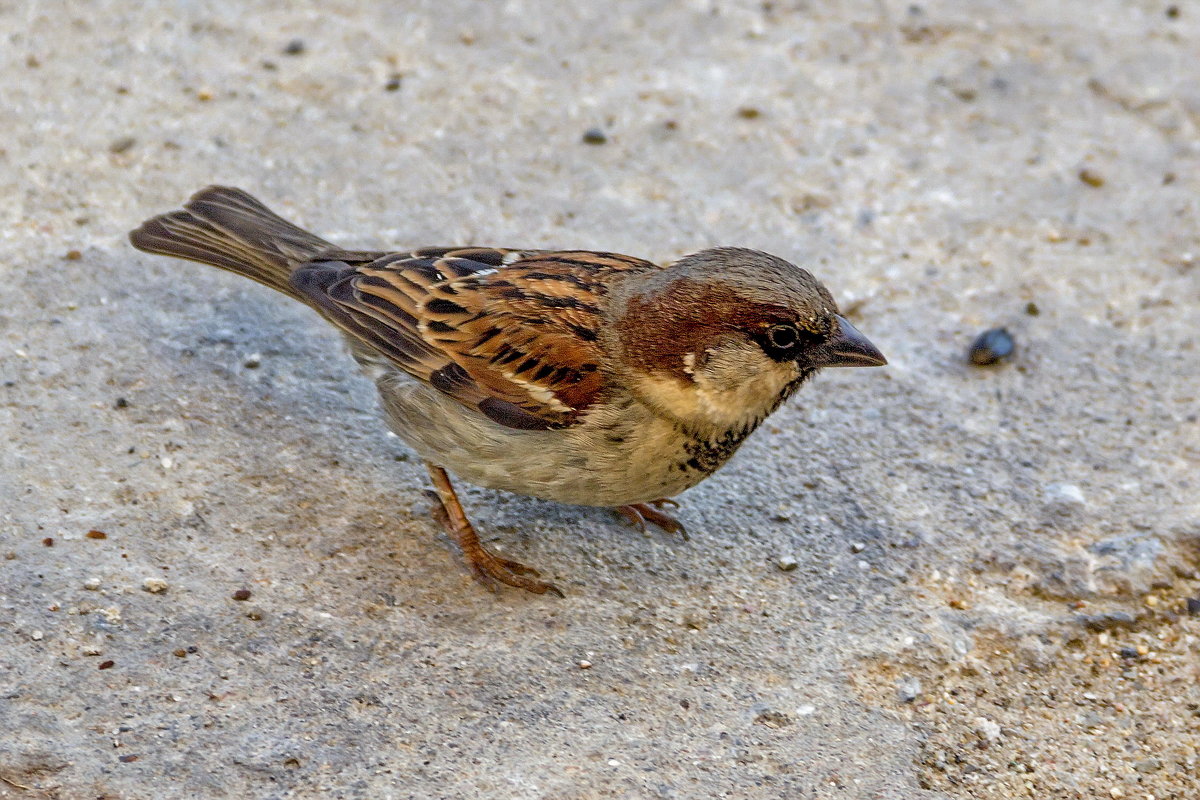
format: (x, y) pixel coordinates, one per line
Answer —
(227, 228)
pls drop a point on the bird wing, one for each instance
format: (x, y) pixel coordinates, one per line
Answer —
(511, 333)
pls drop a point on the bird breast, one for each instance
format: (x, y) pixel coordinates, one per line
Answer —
(620, 453)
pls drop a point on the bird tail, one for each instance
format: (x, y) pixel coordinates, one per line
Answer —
(227, 228)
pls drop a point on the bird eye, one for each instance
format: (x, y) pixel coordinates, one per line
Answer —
(783, 337)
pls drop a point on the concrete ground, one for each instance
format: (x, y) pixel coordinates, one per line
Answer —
(933, 580)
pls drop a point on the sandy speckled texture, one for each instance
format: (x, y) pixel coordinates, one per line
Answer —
(991, 565)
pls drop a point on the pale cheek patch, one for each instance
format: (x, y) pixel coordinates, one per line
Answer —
(727, 388)
(734, 385)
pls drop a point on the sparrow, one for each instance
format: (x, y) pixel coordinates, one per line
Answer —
(587, 378)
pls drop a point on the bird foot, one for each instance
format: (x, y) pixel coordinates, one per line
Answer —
(487, 567)
(641, 513)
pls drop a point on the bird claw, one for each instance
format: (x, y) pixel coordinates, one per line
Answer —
(490, 569)
(641, 513)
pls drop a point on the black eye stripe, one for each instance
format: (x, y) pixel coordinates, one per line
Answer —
(784, 340)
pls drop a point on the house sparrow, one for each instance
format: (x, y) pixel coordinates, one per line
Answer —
(581, 377)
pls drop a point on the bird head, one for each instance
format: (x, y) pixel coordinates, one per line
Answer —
(720, 338)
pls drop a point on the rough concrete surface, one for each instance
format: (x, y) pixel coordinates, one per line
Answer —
(991, 565)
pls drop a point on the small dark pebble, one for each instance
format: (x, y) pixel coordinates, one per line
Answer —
(1172, 12)
(1031, 308)
(270, 66)
(180, 653)
(1091, 177)
(1128, 652)
(122, 144)
(749, 112)
(1107, 621)
(96, 534)
(73, 255)
(594, 136)
(48, 541)
(126, 759)
(120, 402)
(241, 594)
(105, 665)
(1193, 606)
(294, 48)
(394, 82)
(991, 346)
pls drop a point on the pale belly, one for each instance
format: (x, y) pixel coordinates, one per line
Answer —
(612, 458)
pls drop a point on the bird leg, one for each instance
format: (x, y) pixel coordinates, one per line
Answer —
(486, 566)
(641, 513)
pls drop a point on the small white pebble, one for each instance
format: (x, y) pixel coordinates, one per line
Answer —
(36, 636)
(1064, 495)
(858, 547)
(585, 664)
(908, 689)
(612, 762)
(166, 462)
(91, 651)
(805, 710)
(154, 585)
(92, 584)
(987, 729)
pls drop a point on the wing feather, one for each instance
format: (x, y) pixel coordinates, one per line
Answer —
(510, 333)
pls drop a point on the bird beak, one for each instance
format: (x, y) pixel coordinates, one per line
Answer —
(847, 348)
